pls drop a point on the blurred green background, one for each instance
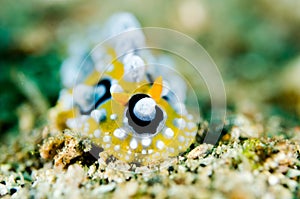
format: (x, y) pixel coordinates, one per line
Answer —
(256, 45)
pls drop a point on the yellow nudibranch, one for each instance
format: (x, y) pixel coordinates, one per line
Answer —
(127, 110)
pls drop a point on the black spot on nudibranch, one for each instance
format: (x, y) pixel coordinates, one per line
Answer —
(107, 95)
(140, 126)
(132, 102)
(166, 98)
(106, 83)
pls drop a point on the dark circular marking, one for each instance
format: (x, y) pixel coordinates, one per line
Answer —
(12, 191)
(166, 98)
(132, 102)
(107, 95)
(140, 126)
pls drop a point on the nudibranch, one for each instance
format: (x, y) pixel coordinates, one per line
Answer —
(132, 112)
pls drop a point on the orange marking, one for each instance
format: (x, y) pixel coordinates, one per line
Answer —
(156, 90)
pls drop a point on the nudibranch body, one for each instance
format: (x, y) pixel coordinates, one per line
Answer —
(131, 111)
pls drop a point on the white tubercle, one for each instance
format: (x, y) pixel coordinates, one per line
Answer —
(117, 147)
(146, 142)
(106, 138)
(133, 144)
(116, 88)
(124, 28)
(101, 58)
(83, 95)
(160, 144)
(120, 133)
(98, 115)
(144, 152)
(145, 109)
(66, 99)
(134, 68)
(169, 133)
(72, 123)
(191, 125)
(121, 22)
(181, 139)
(150, 151)
(113, 116)
(97, 133)
(180, 123)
